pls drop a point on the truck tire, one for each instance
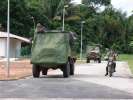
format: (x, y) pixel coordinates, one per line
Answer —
(99, 60)
(72, 69)
(110, 71)
(110, 74)
(36, 71)
(66, 70)
(44, 71)
(88, 60)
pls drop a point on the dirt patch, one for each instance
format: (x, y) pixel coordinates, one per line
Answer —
(18, 69)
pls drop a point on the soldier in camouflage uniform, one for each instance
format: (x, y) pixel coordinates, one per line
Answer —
(111, 54)
(40, 28)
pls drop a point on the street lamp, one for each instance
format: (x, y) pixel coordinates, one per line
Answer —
(81, 47)
(64, 17)
(8, 39)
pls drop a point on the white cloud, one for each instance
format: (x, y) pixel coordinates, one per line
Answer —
(77, 1)
(124, 5)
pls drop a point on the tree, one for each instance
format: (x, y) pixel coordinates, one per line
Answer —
(111, 28)
(19, 17)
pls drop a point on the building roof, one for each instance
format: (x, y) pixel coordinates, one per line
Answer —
(4, 35)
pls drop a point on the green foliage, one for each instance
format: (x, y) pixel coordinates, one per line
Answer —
(26, 51)
(20, 20)
(110, 28)
(128, 58)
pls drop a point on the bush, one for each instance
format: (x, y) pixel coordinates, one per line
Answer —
(26, 51)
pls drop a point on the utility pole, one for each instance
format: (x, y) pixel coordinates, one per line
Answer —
(63, 21)
(8, 39)
(81, 41)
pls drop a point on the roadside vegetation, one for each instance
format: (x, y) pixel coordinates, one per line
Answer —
(128, 58)
(110, 28)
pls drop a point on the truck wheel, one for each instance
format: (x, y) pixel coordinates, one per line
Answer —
(99, 60)
(110, 74)
(72, 69)
(110, 71)
(44, 71)
(66, 70)
(88, 60)
(36, 71)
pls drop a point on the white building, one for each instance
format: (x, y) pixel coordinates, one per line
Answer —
(15, 45)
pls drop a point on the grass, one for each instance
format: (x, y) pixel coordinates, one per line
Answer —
(128, 58)
(80, 61)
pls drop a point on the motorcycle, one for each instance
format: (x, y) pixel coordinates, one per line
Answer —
(110, 69)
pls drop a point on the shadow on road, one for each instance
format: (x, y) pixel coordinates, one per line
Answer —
(54, 86)
(52, 76)
(100, 76)
(87, 76)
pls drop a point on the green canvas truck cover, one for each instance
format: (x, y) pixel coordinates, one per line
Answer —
(50, 48)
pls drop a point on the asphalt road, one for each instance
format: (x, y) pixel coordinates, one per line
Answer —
(89, 82)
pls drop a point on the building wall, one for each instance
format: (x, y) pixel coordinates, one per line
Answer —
(2, 47)
(15, 48)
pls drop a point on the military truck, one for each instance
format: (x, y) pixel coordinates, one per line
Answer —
(52, 50)
(93, 53)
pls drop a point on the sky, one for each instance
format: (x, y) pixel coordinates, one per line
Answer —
(124, 5)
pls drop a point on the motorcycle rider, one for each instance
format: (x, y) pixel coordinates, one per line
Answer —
(112, 55)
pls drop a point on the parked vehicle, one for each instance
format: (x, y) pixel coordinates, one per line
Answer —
(93, 53)
(52, 49)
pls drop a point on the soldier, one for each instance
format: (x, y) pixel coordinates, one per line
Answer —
(112, 55)
(40, 28)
